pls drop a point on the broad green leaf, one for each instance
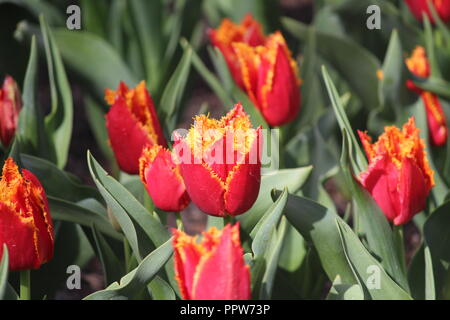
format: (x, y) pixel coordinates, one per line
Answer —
(292, 179)
(81, 50)
(367, 267)
(265, 247)
(38, 7)
(317, 226)
(342, 291)
(58, 183)
(112, 267)
(344, 123)
(430, 291)
(160, 290)
(171, 97)
(212, 81)
(137, 280)
(437, 238)
(71, 212)
(4, 268)
(31, 124)
(141, 229)
(345, 56)
(147, 16)
(60, 120)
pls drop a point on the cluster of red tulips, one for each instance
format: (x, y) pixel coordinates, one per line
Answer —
(216, 165)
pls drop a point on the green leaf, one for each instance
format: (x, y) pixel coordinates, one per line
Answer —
(161, 290)
(137, 223)
(38, 7)
(430, 291)
(59, 121)
(71, 212)
(31, 124)
(367, 267)
(345, 56)
(292, 179)
(437, 238)
(344, 123)
(137, 280)
(56, 182)
(81, 50)
(342, 291)
(265, 247)
(317, 226)
(171, 97)
(112, 267)
(4, 268)
(147, 15)
(212, 81)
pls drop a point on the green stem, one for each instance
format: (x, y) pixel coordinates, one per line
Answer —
(398, 236)
(179, 221)
(25, 288)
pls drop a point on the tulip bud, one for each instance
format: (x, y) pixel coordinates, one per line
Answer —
(10, 106)
(419, 7)
(25, 223)
(220, 163)
(132, 124)
(399, 177)
(249, 31)
(419, 65)
(270, 77)
(213, 269)
(162, 179)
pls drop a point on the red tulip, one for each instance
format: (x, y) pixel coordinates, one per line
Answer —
(437, 124)
(220, 163)
(419, 7)
(132, 124)
(10, 105)
(249, 31)
(270, 77)
(25, 223)
(162, 179)
(213, 269)
(398, 177)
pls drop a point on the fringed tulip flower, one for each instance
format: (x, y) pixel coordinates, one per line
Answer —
(249, 31)
(25, 223)
(10, 105)
(162, 179)
(398, 177)
(419, 7)
(437, 124)
(213, 269)
(270, 77)
(220, 163)
(132, 124)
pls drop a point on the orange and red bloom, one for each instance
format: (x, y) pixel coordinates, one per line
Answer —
(263, 67)
(132, 124)
(399, 177)
(220, 163)
(418, 65)
(162, 179)
(419, 7)
(25, 223)
(10, 106)
(249, 31)
(213, 269)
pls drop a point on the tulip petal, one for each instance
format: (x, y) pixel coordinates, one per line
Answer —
(412, 191)
(223, 275)
(381, 181)
(127, 136)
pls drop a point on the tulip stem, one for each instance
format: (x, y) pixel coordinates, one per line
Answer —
(228, 220)
(399, 239)
(25, 289)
